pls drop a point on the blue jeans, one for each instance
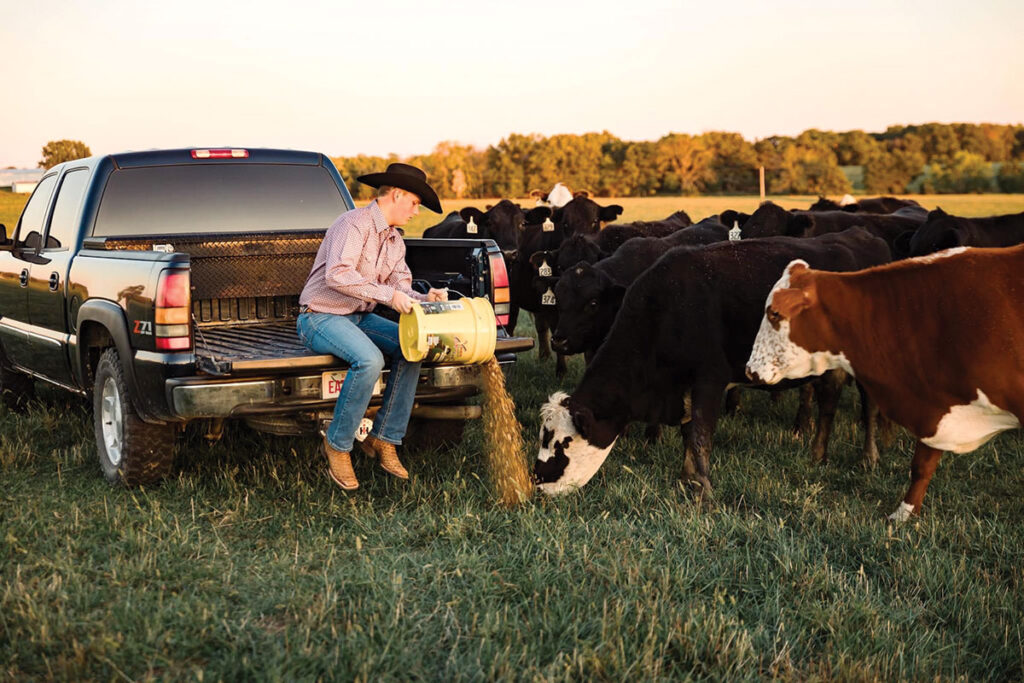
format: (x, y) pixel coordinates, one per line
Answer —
(363, 340)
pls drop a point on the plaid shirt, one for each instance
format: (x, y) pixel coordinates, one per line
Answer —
(360, 264)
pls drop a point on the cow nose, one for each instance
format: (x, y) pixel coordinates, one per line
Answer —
(752, 376)
(559, 343)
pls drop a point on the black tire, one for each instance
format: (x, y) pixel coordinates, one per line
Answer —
(16, 389)
(424, 434)
(131, 452)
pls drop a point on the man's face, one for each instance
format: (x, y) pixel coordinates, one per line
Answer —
(406, 205)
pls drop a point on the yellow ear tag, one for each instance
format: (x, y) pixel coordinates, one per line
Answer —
(544, 270)
(547, 226)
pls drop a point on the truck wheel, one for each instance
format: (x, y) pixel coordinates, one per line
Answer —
(16, 389)
(131, 452)
(424, 434)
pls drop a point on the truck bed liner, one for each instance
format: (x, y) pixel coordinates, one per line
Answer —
(253, 348)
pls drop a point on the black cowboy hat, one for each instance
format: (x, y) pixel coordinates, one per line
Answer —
(408, 178)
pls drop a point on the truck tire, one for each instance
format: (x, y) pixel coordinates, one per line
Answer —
(426, 434)
(131, 452)
(16, 389)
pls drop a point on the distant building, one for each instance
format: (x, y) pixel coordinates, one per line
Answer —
(20, 179)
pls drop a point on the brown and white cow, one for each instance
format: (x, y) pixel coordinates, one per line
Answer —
(937, 341)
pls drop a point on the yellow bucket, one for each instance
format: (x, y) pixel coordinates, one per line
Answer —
(462, 331)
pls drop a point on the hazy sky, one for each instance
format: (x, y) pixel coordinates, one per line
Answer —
(377, 77)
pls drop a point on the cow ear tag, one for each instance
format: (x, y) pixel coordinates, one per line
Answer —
(471, 226)
(734, 234)
(547, 226)
(544, 270)
(548, 298)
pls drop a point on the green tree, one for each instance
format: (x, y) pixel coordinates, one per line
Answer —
(685, 162)
(1011, 177)
(893, 164)
(855, 147)
(966, 173)
(58, 151)
(734, 163)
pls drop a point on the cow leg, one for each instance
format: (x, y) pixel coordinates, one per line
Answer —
(513, 318)
(705, 405)
(869, 416)
(828, 388)
(804, 422)
(732, 401)
(652, 432)
(560, 365)
(588, 355)
(922, 467)
(540, 321)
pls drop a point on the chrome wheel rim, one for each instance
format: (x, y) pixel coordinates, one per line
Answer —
(112, 421)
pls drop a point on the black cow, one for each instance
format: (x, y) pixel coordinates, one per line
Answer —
(866, 205)
(772, 220)
(500, 223)
(539, 233)
(584, 216)
(683, 335)
(943, 231)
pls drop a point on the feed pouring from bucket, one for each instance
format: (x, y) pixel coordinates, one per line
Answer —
(464, 332)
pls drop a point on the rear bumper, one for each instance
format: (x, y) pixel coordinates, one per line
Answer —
(207, 397)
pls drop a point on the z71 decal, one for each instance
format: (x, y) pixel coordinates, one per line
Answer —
(144, 327)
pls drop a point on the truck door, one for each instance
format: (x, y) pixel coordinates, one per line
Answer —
(14, 274)
(47, 287)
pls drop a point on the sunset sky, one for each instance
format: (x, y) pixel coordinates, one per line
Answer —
(348, 78)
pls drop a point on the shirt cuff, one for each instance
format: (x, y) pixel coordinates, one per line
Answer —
(385, 293)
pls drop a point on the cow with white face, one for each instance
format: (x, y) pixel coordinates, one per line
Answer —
(680, 339)
(948, 368)
(567, 458)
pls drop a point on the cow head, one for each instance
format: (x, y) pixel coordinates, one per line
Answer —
(769, 220)
(781, 353)
(567, 459)
(584, 216)
(500, 222)
(940, 231)
(729, 217)
(587, 302)
(578, 248)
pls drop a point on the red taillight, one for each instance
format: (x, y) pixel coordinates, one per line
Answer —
(173, 311)
(220, 154)
(499, 288)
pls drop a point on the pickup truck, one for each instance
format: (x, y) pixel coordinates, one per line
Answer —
(164, 285)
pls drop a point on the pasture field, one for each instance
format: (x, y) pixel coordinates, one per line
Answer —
(653, 208)
(250, 563)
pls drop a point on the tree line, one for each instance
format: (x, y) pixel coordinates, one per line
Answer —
(928, 158)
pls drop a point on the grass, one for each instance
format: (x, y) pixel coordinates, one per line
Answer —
(249, 563)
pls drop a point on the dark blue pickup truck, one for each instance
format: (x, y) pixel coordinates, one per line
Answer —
(164, 284)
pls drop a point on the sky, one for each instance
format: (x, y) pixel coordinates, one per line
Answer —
(399, 77)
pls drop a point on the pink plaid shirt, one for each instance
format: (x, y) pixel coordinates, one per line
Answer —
(360, 264)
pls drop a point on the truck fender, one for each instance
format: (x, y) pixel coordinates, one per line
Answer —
(111, 317)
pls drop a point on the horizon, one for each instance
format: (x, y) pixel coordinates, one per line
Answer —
(349, 79)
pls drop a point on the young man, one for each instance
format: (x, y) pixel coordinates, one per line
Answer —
(360, 264)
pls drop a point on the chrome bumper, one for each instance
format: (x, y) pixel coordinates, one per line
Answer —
(201, 397)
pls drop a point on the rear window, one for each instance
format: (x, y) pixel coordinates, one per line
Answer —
(200, 198)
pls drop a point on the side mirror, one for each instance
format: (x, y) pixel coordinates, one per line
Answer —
(6, 244)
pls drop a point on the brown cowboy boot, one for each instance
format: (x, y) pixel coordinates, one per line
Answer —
(375, 448)
(339, 466)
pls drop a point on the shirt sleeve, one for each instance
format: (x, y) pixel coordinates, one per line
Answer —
(346, 248)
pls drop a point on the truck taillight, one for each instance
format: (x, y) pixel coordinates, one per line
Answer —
(499, 288)
(220, 154)
(173, 311)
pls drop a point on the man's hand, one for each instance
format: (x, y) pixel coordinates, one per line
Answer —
(401, 302)
(437, 295)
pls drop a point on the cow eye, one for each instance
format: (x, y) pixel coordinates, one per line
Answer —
(592, 304)
(772, 315)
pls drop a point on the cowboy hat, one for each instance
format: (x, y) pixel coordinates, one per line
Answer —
(408, 178)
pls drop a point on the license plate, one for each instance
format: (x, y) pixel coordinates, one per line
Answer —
(331, 381)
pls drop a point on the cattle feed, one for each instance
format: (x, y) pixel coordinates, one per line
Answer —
(565, 461)
(967, 427)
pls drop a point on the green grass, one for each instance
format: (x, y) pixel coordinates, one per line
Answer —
(10, 208)
(250, 563)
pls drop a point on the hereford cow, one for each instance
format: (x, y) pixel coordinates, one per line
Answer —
(943, 231)
(949, 367)
(682, 336)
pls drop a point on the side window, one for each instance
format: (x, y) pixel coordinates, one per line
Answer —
(65, 211)
(30, 228)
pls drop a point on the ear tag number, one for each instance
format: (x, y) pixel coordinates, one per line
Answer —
(548, 298)
(544, 270)
(471, 226)
(734, 234)
(547, 226)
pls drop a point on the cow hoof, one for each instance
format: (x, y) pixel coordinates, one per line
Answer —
(869, 461)
(902, 514)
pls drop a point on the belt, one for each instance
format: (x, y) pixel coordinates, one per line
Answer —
(306, 309)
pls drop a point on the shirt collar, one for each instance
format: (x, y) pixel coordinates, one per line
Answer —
(379, 222)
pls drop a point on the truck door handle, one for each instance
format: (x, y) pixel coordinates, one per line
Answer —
(23, 278)
(54, 281)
